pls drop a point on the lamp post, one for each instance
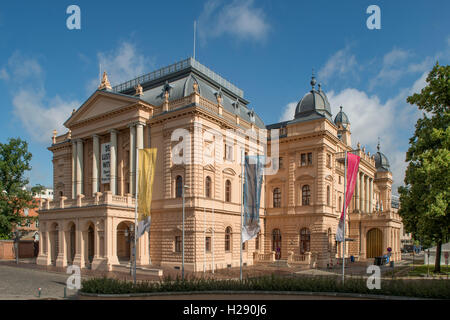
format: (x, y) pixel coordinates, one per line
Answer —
(182, 249)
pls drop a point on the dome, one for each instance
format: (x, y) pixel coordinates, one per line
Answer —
(341, 118)
(313, 101)
(381, 161)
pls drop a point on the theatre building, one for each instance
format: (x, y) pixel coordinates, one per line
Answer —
(90, 220)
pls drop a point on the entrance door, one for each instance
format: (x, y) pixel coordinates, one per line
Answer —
(276, 243)
(374, 245)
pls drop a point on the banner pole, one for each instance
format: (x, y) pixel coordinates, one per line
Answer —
(242, 208)
(345, 201)
(135, 216)
(204, 236)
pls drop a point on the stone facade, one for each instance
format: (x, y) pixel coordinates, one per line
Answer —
(89, 221)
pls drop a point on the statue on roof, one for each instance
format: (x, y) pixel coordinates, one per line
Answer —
(105, 85)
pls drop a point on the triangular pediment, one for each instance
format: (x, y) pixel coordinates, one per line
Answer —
(100, 103)
(229, 171)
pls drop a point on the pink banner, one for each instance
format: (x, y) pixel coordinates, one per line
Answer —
(352, 175)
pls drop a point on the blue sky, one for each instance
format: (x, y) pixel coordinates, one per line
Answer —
(267, 48)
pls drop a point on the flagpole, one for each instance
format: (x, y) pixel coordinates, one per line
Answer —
(204, 236)
(212, 244)
(345, 202)
(135, 216)
(242, 207)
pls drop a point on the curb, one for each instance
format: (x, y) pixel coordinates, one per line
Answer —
(300, 293)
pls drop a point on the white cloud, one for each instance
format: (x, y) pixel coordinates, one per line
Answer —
(339, 64)
(289, 111)
(40, 116)
(240, 19)
(4, 74)
(122, 64)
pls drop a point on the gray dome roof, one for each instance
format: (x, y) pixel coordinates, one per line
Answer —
(341, 118)
(313, 101)
(381, 161)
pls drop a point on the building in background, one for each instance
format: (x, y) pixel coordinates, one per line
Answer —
(89, 221)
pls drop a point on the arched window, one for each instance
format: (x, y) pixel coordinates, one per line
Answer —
(179, 187)
(228, 191)
(328, 195)
(208, 187)
(306, 195)
(305, 238)
(277, 198)
(228, 239)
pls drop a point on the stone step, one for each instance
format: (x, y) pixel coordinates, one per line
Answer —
(139, 270)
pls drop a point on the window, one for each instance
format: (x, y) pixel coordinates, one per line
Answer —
(257, 241)
(208, 187)
(277, 198)
(330, 240)
(243, 245)
(179, 187)
(306, 195)
(329, 160)
(228, 239)
(339, 179)
(303, 159)
(280, 162)
(228, 191)
(310, 159)
(178, 244)
(305, 237)
(328, 195)
(340, 204)
(228, 152)
(208, 244)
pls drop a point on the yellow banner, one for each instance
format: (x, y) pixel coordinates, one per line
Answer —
(146, 170)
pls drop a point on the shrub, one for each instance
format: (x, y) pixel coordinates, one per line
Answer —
(439, 289)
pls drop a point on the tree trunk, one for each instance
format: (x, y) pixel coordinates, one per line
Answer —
(437, 259)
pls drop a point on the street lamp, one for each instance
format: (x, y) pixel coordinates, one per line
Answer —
(182, 255)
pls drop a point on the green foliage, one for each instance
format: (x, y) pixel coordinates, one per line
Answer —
(14, 162)
(425, 197)
(411, 288)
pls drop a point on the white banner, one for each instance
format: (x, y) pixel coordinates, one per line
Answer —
(106, 162)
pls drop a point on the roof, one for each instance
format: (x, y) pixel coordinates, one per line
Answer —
(381, 161)
(341, 118)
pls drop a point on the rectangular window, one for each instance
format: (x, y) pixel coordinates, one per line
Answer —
(208, 244)
(280, 162)
(178, 244)
(257, 242)
(228, 152)
(329, 160)
(243, 245)
(303, 159)
(310, 159)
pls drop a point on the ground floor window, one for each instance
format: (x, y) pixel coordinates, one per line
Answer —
(208, 244)
(178, 244)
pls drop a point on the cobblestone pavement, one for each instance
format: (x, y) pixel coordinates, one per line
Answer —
(18, 283)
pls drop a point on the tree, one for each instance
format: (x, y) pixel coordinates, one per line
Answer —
(14, 162)
(425, 196)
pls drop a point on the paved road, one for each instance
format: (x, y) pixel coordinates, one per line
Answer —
(22, 284)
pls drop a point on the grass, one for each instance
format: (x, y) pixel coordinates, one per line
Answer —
(423, 270)
(438, 289)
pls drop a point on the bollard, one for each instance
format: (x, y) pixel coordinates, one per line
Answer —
(39, 292)
(65, 292)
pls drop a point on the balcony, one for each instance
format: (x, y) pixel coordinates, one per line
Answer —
(100, 199)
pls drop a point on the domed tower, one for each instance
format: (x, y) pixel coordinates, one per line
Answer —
(383, 179)
(343, 124)
(314, 104)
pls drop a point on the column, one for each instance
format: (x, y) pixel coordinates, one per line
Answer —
(61, 258)
(132, 160)
(140, 135)
(366, 194)
(113, 168)
(95, 164)
(79, 167)
(74, 169)
(371, 195)
(79, 247)
(357, 192)
(361, 192)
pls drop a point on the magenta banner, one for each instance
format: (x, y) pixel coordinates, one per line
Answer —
(352, 175)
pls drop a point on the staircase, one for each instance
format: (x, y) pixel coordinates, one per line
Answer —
(280, 264)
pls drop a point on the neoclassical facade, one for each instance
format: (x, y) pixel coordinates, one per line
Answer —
(188, 112)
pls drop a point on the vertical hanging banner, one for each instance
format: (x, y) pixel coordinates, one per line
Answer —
(352, 175)
(146, 173)
(106, 161)
(253, 175)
